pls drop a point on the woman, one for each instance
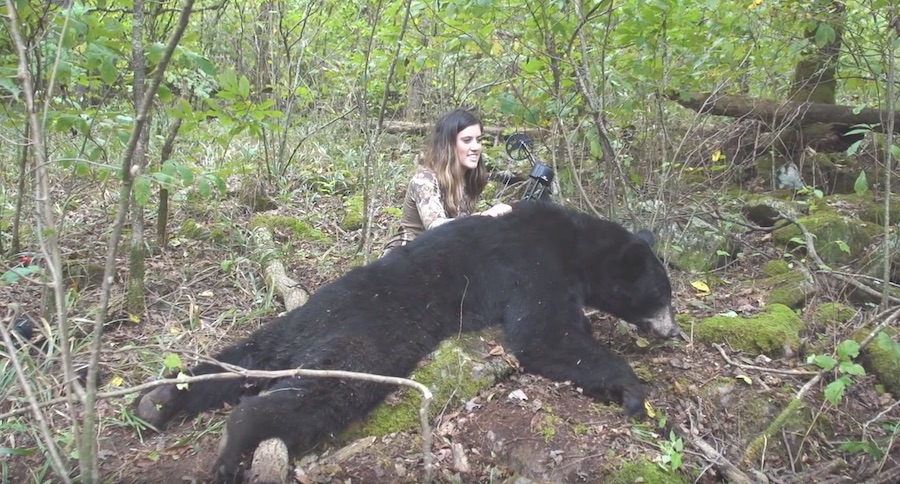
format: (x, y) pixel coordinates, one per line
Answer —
(449, 182)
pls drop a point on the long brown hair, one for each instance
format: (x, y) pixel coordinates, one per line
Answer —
(460, 187)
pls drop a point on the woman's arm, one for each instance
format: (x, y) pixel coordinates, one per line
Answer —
(430, 204)
(497, 210)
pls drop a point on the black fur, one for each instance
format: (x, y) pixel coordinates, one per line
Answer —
(533, 271)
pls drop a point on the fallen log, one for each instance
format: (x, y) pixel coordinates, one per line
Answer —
(426, 128)
(778, 114)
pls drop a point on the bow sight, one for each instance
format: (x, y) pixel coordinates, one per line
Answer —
(520, 146)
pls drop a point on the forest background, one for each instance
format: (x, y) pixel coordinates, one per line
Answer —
(145, 144)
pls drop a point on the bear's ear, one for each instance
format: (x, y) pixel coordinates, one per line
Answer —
(633, 259)
(647, 236)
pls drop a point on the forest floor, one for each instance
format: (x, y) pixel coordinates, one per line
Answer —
(204, 293)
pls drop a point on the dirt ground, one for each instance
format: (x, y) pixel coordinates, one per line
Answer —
(525, 426)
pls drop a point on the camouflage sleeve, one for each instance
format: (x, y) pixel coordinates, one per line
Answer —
(427, 195)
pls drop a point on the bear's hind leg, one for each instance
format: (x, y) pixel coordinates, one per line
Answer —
(298, 411)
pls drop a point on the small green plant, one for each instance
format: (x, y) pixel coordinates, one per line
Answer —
(13, 275)
(672, 451)
(875, 448)
(843, 362)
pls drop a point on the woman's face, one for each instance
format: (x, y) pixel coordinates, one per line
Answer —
(468, 147)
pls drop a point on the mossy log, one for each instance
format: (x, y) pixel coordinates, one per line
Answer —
(271, 459)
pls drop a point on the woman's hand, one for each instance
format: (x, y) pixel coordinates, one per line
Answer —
(497, 210)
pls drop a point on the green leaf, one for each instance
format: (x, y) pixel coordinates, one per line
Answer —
(834, 392)
(142, 189)
(851, 368)
(187, 175)
(824, 34)
(824, 362)
(165, 180)
(202, 62)
(82, 168)
(895, 151)
(173, 361)
(16, 273)
(8, 85)
(848, 349)
(798, 240)
(244, 87)
(108, 71)
(155, 52)
(843, 246)
(204, 188)
(164, 93)
(852, 149)
(14, 451)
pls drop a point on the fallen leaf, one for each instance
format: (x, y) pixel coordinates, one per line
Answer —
(517, 395)
(701, 287)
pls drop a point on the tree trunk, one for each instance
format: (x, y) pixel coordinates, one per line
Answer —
(814, 74)
(137, 253)
(162, 212)
(15, 245)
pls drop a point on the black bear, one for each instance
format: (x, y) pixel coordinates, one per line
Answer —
(533, 271)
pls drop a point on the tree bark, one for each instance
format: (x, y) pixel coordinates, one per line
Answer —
(814, 74)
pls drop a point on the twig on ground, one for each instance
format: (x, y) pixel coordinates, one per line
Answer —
(732, 473)
(760, 368)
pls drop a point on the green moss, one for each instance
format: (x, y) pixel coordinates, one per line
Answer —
(838, 239)
(882, 357)
(758, 445)
(833, 314)
(685, 321)
(190, 229)
(299, 229)
(395, 212)
(218, 234)
(776, 267)
(548, 427)
(643, 372)
(643, 471)
(768, 332)
(866, 207)
(453, 376)
(791, 289)
(354, 213)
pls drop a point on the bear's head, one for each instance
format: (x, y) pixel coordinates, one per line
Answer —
(630, 282)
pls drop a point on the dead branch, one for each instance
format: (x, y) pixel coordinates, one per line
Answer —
(732, 473)
(759, 368)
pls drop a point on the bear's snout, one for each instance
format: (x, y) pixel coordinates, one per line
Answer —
(663, 324)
